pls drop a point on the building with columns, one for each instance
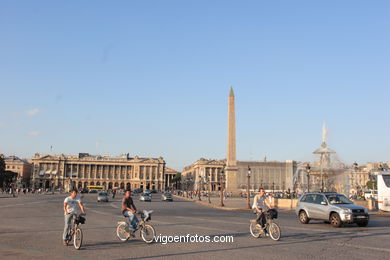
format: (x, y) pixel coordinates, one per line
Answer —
(271, 175)
(82, 170)
(168, 177)
(21, 167)
(197, 175)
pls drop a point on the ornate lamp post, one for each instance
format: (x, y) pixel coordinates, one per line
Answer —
(221, 178)
(248, 197)
(52, 183)
(209, 187)
(199, 188)
(355, 168)
(308, 170)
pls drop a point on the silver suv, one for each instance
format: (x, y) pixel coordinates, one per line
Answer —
(330, 207)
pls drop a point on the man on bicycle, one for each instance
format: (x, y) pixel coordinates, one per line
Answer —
(72, 204)
(129, 210)
(261, 206)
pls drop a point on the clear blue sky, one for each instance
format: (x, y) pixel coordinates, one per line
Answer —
(151, 78)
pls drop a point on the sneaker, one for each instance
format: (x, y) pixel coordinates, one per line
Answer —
(258, 226)
(66, 243)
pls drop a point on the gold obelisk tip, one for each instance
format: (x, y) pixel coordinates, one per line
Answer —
(231, 92)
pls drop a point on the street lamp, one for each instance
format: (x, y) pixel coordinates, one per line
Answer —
(199, 183)
(209, 187)
(221, 176)
(355, 183)
(273, 187)
(52, 183)
(247, 188)
(308, 170)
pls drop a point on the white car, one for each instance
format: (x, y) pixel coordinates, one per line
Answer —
(145, 197)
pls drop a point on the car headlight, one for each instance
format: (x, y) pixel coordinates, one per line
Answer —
(346, 211)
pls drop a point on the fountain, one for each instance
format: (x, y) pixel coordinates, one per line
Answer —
(328, 174)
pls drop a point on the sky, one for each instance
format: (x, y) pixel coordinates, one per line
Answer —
(152, 78)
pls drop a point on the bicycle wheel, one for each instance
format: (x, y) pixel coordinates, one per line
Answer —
(255, 231)
(78, 238)
(148, 233)
(274, 231)
(121, 232)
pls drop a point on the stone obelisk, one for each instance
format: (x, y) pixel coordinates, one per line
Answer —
(231, 159)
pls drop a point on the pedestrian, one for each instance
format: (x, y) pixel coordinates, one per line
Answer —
(271, 199)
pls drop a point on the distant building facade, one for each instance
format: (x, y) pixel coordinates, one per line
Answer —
(82, 170)
(20, 166)
(201, 171)
(270, 175)
(168, 177)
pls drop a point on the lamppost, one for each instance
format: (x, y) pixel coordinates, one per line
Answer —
(308, 170)
(354, 184)
(208, 180)
(273, 187)
(247, 188)
(221, 177)
(52, 183)
(199, 183)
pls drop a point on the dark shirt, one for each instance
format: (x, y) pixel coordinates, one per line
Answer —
(127, 203)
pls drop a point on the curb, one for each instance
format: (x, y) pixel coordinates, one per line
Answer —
(379, 213)
(206, 204)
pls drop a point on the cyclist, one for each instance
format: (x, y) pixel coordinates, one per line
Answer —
(261, 205)
(72, 204)
(129, 210)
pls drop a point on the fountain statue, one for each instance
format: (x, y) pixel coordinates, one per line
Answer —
(328, 174)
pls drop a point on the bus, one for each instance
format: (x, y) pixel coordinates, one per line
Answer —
(93, 188)
(384, 190)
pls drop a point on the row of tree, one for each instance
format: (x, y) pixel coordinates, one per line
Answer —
(6, 177)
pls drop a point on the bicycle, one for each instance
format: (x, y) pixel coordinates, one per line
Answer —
(271, 227)
(75, 231)
(147, 231)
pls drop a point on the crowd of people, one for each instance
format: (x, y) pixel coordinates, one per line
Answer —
(24, 191)
(243, 194)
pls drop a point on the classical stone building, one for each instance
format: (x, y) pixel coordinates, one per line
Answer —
(111, 172)
(168, 177)
(199, 173)
(20, 166)
(272, 175)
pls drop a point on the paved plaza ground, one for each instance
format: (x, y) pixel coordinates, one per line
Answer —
(31, 228)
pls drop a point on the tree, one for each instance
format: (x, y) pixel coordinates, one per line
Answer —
(372, 185)
(177, 179)
(9, 177)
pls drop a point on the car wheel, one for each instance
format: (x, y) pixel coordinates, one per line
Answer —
(303, 218)
(362, 224)
(335, 220)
